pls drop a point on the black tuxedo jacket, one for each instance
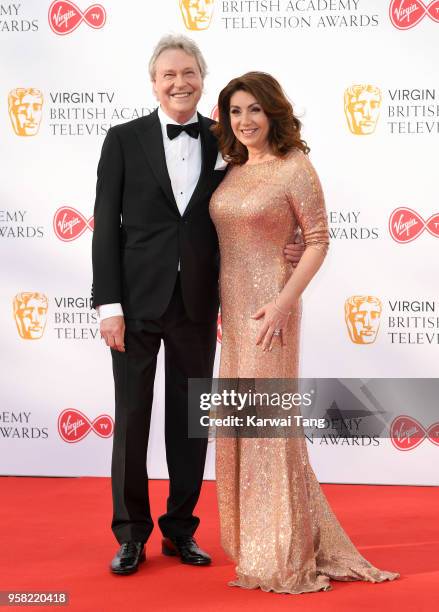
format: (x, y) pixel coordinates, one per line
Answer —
(139, 235)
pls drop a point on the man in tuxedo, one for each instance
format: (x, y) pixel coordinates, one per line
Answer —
(155, 277)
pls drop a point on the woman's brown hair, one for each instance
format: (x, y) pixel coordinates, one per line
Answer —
(284, 134)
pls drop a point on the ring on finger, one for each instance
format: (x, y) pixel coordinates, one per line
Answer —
(277, 332)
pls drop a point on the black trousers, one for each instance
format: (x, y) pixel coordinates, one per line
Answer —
(189, 353)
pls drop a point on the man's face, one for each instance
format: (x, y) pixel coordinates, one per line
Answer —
(178, 84)
(30, 317)
(26, 114)
(363, 322)
(363, 111)
(197, 14)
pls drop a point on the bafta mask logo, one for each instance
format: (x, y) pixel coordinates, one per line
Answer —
(25, 108)
(362, 105)
(197, 14)
(363, 315)
(30, 314)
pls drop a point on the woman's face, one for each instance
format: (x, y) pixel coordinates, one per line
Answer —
(249, 122)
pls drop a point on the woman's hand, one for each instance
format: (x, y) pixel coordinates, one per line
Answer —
(273, 325)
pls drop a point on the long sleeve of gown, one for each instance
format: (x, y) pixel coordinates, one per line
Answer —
(305, 195)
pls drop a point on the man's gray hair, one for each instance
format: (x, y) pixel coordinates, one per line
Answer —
(177, 41)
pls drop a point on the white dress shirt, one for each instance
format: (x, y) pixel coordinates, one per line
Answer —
(183, 160)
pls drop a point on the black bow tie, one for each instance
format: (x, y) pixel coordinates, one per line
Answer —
(173, 130)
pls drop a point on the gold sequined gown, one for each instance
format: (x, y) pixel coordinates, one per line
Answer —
(276, 523)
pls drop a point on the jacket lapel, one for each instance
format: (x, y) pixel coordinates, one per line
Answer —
(151, 139)
(209, 152)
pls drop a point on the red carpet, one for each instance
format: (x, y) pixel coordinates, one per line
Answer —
(55, 536)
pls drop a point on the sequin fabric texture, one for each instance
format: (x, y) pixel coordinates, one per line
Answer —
(276, 523)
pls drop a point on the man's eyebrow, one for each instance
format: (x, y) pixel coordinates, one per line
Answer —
(174, 70)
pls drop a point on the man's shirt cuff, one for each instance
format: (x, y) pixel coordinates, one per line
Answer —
(109, 310)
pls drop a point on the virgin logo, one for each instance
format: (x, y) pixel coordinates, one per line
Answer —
(407, 433)
(74, 426)
(65, 17)
(219, 329)
(69, 224)
(405, 14)
(406, 225)
(214, 113)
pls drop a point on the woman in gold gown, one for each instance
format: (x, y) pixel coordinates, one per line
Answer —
(276, 523)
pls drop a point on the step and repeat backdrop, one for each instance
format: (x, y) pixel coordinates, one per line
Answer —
(362, 75)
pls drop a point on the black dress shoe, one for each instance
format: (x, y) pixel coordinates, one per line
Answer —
(186, 548)
(127, 558)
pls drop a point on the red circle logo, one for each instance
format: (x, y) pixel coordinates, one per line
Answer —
(219, 329)
(407, 433)
(74, 425)
(65, 17)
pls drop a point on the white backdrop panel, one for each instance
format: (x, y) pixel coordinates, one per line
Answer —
(91, 78)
